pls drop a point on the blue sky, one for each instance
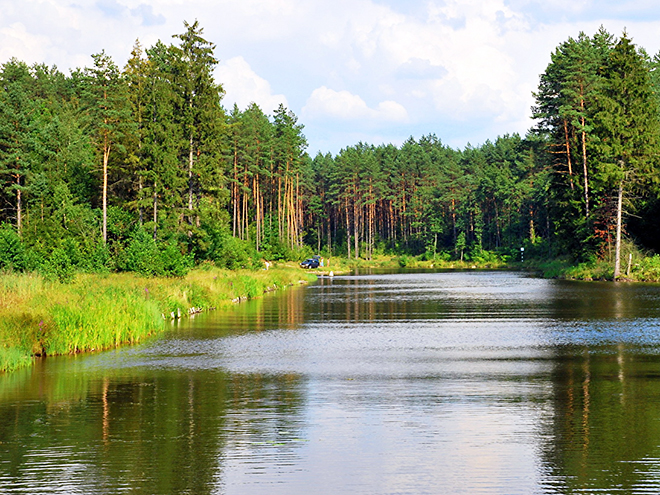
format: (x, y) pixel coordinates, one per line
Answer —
(376, 71)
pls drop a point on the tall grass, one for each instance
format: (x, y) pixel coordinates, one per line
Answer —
(95, 312)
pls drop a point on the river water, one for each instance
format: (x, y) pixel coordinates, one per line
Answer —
(401, 383)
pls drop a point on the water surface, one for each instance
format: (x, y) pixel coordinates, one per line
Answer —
(455, 382)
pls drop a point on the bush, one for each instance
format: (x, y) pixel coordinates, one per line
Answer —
(226, 251)
(144, 256)
(58, 266)
(174, 262)
(276, 250)
(12, 252)
(648, 269)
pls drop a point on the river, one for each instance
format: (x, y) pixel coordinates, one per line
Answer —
(397, 383)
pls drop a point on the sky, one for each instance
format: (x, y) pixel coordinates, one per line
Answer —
(373, 71)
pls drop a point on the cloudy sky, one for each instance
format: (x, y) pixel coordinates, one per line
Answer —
(376, 71)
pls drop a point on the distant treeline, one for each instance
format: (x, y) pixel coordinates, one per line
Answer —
(142, 169)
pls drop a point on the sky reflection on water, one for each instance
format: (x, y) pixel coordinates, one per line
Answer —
(459, 382)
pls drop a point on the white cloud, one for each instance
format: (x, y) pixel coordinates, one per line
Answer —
(463, 69)
(326, 103)
(16, 42)
(243, 86)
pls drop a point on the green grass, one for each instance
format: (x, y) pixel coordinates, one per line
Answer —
(643, 268)
(339, 265)
(96, 312)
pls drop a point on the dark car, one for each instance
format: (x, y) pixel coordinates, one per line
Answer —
(310, 263)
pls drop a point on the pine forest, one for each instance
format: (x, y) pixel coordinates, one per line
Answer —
(143, 169)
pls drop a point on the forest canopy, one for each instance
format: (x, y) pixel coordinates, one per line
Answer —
(141, 168)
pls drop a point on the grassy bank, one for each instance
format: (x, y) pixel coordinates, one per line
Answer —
(344, 265)
(639, 268)
(95, 312)
(636, 266)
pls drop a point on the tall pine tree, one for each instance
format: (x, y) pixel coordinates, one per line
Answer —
(627, 125)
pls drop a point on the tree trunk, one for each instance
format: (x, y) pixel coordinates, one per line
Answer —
(140, 209)
(106, 156)
(190, 183)
(328, 234)
(453, 223)
(356, 220)
(584, 167)
(348, 232)
(234, 194)
(568, 154)
(19, 206)
(617, 248)
(155, 211)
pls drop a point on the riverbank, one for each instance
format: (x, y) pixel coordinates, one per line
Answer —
(95, 312)
(639, 268)
(340, 266)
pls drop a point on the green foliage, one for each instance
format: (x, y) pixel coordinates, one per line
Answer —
(226, 251)
(147, 257)
(100, 163)
(597, 110)
(58, 266)
(12, 252)
(13, 358)
(647, 269)
(96, 312)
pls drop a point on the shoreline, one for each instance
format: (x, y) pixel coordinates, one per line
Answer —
(643, 268)
(100, 312)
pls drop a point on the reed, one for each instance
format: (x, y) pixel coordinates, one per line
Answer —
(96, 312)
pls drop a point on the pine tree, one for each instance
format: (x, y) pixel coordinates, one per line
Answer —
(627, 125)
(163, 138)
(289, 144)
(109, 115)
(136, 74)
(200, 115)
(566, 104)
(18, 111)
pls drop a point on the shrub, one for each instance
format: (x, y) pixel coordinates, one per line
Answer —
(145, 256)
(648, 269)
(58, 266)
(232, 253)
(142, 256)
(12, 252)
(174, 262)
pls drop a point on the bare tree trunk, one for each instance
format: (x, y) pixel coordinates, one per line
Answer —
(356, 232)
(328, 234)
(568, 154)
(453, 223)
(190, 175)
(617, 249)
(106, 156)
(280, 215)
(234, 194)
(348, 232)
(155, 211)
(140, 209)
(257, 213)
(19, 206)
(584, 167)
